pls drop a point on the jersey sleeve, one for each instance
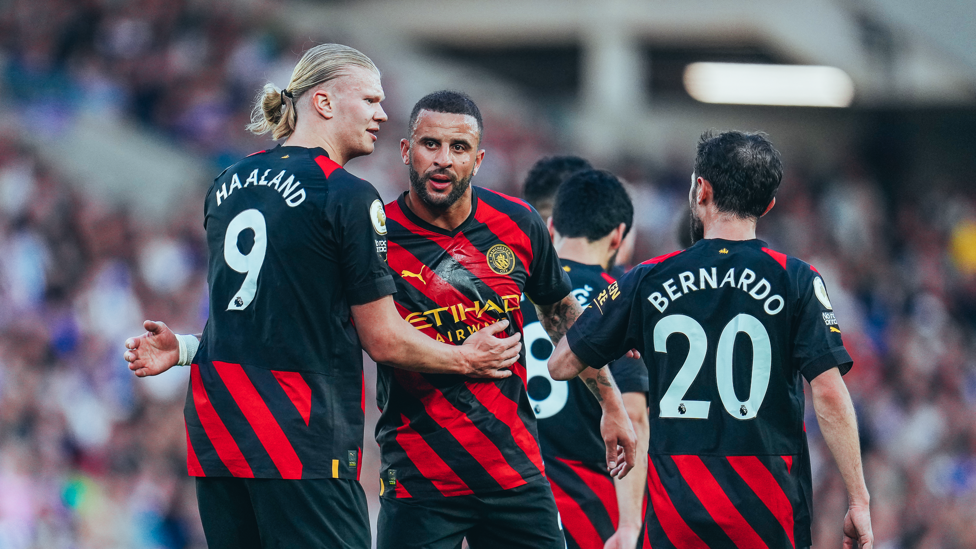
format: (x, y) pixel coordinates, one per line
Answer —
(630, 375)
(359, 223)
(817, 343)
(548, 282)
(611, 324)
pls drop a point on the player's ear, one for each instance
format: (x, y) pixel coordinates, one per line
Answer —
(323, 102)
(704, 191)
(770, 207)
(617, 236)
(405, 151)
(477, 161)
(552, 229)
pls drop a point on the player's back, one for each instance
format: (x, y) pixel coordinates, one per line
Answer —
(726, 328)
(276, 387)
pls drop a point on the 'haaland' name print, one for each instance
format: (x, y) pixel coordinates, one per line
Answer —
(290, 188)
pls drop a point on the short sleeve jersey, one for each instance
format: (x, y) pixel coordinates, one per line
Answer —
(446, 435)
(727, 329)
(276, 388)
(568, 414)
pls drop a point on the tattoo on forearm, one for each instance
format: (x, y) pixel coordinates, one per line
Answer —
(598, 382)
(558, 317)
(594, 388)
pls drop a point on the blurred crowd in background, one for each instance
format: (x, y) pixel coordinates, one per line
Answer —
(92, 457)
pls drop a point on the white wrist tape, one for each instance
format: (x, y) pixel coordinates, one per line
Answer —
(188, 348)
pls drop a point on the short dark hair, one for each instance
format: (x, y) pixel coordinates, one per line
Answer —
(592, 203)
(547, 175)
(744, 169)
(446, 101)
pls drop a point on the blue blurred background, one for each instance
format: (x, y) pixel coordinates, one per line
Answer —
(116, 114)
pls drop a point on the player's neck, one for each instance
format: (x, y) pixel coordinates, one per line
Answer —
(304, 137)
(581, 250)
(447, 219)
(729, 227)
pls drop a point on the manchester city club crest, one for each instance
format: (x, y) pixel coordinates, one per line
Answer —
(501, 259)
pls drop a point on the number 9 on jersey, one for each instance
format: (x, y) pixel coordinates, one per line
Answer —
(249, 264)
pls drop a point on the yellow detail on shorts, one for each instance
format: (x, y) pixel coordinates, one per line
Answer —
(566, 268)
(382, 487)
(335, 468)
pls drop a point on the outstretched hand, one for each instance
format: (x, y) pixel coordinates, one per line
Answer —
(153, 352)
(857, 528)
(489, 356)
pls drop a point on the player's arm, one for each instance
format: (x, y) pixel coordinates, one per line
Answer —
(630, 490)
(615, 426)
(389, 339)
(835, 414)
(384, 335)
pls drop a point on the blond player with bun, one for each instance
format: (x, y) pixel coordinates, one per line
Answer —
(298, 288)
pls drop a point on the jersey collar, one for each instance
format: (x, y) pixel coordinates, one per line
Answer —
(402, 201)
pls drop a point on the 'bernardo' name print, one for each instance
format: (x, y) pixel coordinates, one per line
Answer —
(709, 279)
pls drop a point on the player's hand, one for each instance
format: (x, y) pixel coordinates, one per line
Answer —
(857, 528)
(633, 353)
(621, 440)
(489, 356)
(153, 352)
(624, 538)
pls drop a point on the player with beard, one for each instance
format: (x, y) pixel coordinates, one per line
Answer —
(274, 409)
(460, 456)
(591, 217)
(729, 329)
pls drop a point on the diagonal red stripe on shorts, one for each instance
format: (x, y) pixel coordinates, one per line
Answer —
(223, 443)
(258, 415)
(193, 467)
(601, 485)
(506, 410)
(428, 463)
(297, 390)
(574, 519)
(675, 528)
(789, 463)
(460, 426)
(716, 502)
(762, 482)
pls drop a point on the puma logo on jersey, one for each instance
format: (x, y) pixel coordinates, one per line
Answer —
(405, 273)
(834, 329)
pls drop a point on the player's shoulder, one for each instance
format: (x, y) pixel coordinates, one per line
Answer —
(581, 274)
(793, 266)
(515, 208)
(658, 260)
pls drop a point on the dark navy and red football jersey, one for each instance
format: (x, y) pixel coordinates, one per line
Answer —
(276, 388)
(569, 422)
(727, 329)
(448, 435)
